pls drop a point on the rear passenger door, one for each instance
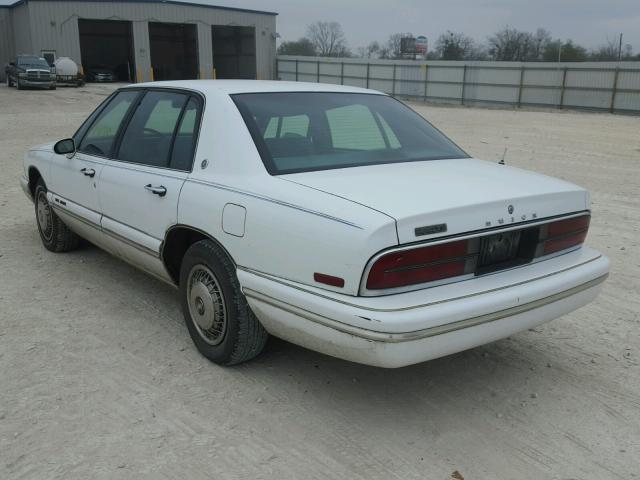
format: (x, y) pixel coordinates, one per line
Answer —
(139, 187)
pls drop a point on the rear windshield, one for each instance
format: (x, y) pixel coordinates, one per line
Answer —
(302, 132)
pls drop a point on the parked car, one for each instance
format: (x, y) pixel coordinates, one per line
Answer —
(30, 71)
(100, 73)
(333, 217)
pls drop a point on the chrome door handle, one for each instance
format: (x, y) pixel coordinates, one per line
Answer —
(88, 172)
(160, 190)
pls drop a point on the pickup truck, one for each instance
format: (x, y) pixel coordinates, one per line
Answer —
(30, 71)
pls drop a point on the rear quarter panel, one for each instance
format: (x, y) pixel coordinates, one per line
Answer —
(290, 231)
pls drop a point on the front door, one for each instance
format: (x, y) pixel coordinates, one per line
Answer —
(74, 180)
(139, 188)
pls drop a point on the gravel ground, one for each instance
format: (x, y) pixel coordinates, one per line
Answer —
(98, 377)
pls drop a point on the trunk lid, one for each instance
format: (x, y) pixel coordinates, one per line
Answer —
(463, 194)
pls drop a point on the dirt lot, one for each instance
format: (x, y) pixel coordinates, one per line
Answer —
(98, 377)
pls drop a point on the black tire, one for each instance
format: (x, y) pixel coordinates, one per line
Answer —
(19, 84)
(55, 235)
(52, 87)
(242, 336)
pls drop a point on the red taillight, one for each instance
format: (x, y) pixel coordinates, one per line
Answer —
(565, 234)
(419, 265)
(477, 255)
(328, 279)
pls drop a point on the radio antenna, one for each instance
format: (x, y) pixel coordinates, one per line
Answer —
(504, 154)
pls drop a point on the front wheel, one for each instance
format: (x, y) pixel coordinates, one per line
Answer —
(219, 320)
(55, 235)
(19, 85)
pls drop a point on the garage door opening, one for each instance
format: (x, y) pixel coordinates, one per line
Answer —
(107, 46)
(234, 51)
(174, 51)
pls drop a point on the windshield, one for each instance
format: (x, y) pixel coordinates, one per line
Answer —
(33, 62)
(302, 131)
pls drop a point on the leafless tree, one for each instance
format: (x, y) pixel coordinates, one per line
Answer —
(392, 49)
(539, 41)
(511, 44)
(607, 52)
(370, 51)
(328, 39)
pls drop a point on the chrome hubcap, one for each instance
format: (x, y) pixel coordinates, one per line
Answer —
(206, 304)
(43, 214)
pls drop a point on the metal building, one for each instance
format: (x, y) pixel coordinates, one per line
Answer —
(141, 40)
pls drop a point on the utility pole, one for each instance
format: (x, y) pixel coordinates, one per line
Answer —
(620, 49)
(559, 51)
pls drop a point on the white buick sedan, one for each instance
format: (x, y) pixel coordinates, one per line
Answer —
(333, 217)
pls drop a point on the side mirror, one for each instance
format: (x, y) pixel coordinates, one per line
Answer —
(65, 147)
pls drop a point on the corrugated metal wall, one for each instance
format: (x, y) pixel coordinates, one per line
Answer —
(588, 85)
(6, 39)
(54, 26)
(21, 29)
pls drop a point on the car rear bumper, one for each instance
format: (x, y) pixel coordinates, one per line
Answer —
(403, 329)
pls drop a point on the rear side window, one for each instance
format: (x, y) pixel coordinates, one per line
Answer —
(287, 127)
(149, 136)
(354, 128)
(184, 144)
(101, 135)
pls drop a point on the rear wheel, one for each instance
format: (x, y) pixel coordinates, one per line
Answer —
(219, 320)
(55, 235)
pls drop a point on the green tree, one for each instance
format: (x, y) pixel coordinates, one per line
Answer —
(566, 51)
(303, 46)
(457, 46)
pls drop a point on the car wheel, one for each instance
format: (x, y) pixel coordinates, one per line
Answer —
(52, 87)
(19, 84)
(55, 235)
(219, 320)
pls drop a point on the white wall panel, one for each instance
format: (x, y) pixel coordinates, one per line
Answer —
(586, 85)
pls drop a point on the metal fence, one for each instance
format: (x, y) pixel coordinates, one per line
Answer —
(604, 86)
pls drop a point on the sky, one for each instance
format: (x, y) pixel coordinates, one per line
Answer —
(587, 22)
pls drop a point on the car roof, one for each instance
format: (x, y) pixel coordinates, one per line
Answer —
(254, 86)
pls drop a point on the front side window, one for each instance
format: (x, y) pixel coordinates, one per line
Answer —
(308, 131)
(149, 136)
(102, 133)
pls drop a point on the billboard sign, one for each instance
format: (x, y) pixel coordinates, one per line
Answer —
(421, 45)
(408, 46)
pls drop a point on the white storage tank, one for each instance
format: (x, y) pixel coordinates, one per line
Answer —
(65, 67)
